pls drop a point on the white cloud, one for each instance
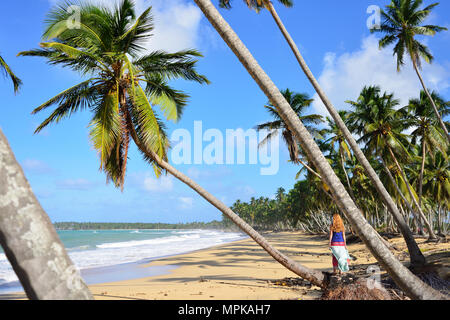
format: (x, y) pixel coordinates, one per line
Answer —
(345, 75)
(186, 202)
(177, 22)
(163, 184)
(75, 184)
(36, 166)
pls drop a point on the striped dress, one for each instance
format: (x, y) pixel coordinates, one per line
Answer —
(337, 240)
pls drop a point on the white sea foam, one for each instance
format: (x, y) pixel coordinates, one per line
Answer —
(113, 253)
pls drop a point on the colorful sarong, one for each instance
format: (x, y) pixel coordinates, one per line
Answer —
(340, 256)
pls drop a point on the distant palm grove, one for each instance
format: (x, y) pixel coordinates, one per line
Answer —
(404, 144)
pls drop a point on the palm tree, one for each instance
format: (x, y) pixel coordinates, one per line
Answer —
(395, 178)
(106, 50)
(427, 128)
(29, 239)
(338, 144)
(299, 102)
(122, 108)
(386, 198)
(8, 72)
(406, 280)
(437, 181)
(381, 128)
(402, 22)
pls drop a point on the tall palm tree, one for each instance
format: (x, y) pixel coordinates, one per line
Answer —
(340, 146)
(437, 181)
(299, 102)
(427, 128)
(106, 48)
(381, 127)
(402, 23)
(29, 239)
(8, 72)
(395, 178)
(380, 188)
(412, 285)
(122, 87)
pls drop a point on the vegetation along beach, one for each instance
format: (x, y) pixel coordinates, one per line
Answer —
(252, 150)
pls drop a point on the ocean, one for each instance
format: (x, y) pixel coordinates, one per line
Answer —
(114, 255)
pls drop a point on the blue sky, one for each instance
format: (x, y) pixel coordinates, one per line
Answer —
(63, 169)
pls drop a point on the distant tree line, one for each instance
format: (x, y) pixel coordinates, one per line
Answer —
(125, 225)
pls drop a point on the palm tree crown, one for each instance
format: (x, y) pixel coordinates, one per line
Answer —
(299, 103)
(427, 129)
(402, 22)
(121, 86)
(374, 117)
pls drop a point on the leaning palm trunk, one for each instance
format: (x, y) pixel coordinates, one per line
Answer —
(416, 256)
(422, 169)
(350, 189)
(316, 277)
(399, 191)
(404, 278)
(419, 209)
(29, 240)
(436, 111)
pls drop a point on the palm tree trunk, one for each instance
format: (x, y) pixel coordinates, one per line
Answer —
(316, 277)
(318, 176)
(422, 168)
(384, 194)
(350, 189)
(29, 239)
(126, 135)
(419, 208)
(309, 169)
(404, 278)
(436, 111)
(397, 188)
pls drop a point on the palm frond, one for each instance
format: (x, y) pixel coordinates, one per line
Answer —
(8, 72)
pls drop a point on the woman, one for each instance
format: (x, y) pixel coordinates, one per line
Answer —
(338, 245)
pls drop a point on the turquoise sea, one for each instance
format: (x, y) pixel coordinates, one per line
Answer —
(113, 255)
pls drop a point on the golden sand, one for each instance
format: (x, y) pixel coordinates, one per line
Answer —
(241, 270)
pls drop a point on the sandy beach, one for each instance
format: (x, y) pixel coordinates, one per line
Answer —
(241, 270)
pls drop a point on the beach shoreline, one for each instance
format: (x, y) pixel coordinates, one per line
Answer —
(238, 270)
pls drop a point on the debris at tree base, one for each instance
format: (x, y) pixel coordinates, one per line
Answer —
(346, 287)
(291, 282)
(359, 290)
(350, 287)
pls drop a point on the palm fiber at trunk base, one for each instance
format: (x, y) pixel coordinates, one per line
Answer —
(357, 290)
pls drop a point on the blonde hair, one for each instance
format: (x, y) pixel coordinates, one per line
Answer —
(338, 224)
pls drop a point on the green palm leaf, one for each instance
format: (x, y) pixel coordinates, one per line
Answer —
(107, 47)
(8, 72)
